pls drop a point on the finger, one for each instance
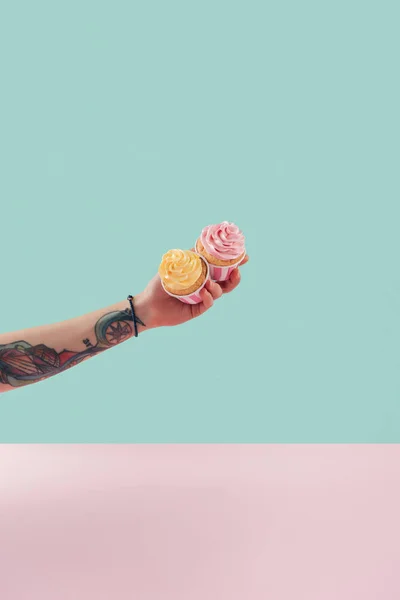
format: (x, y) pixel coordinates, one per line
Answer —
(245, 260)
(204, 305)
(214, 289)
(232, 283)
(208, 300)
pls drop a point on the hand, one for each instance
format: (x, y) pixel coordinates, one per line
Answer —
(160, 310)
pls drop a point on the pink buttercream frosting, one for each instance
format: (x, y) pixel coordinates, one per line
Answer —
(224, 241)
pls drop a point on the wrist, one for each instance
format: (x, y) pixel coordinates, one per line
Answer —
(143, 313)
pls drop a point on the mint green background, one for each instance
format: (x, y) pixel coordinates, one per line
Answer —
(128, 126)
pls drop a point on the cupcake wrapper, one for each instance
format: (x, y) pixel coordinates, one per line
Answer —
(194, 298)
(221, 273)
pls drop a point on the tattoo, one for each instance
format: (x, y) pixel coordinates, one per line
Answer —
(21, 363)
(138, 321)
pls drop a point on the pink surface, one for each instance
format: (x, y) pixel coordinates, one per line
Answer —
(199, 522)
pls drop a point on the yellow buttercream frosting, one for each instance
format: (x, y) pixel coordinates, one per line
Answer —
(180, 269)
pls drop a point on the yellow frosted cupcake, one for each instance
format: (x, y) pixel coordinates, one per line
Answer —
(183, 274)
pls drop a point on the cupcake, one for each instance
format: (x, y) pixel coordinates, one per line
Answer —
(183, 275)
(223, 248)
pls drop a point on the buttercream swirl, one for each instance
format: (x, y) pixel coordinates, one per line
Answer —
(180, 269)
(224, 241)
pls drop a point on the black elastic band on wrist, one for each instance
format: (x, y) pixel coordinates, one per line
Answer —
(130, 300)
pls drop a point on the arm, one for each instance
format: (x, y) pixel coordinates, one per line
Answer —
(35, 354)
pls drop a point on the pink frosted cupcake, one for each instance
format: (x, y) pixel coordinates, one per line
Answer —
(223, 248)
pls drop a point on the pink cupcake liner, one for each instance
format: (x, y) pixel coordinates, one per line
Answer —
(221, 273)
(194, 298)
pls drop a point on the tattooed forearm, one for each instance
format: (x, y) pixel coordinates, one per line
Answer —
(22, 363)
